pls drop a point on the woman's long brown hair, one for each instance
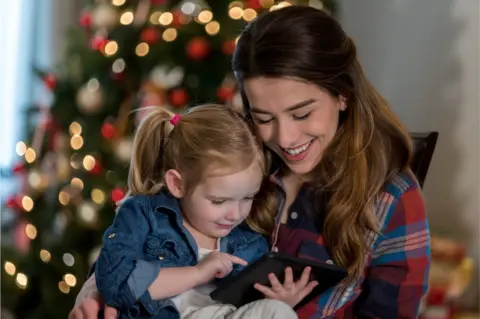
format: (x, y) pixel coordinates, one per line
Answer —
(370, 146)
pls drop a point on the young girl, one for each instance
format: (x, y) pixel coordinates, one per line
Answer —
(192, 183)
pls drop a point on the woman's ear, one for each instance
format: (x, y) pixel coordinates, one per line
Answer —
(342, 103)
(174, 182)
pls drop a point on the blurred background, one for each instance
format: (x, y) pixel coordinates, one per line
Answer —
(72, 71)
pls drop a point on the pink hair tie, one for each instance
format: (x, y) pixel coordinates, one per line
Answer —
(175, 119)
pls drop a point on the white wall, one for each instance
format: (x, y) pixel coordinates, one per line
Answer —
(424, 57)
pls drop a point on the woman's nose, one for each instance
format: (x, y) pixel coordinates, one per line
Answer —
(287, 133)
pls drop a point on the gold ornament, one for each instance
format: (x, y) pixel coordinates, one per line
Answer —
(87, 213)
(105, 16)
(90, 97)
(123, 149)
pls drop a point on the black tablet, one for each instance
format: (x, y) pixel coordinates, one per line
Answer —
(239, 290)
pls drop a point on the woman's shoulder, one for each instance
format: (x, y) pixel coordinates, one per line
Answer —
(400, 184)
(400, 202)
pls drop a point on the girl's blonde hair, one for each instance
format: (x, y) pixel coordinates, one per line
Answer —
(204, 137)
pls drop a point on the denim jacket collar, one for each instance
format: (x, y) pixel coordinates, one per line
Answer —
(235, 240)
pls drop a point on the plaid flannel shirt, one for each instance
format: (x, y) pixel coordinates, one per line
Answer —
(396, 274)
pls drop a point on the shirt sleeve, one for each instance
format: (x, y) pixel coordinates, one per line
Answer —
(122, 276)
(397, 277)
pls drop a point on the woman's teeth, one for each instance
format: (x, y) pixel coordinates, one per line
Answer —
(298, 150)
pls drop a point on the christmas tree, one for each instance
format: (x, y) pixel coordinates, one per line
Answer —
(123, 55)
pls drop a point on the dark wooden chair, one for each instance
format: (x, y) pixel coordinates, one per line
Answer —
(424, 145)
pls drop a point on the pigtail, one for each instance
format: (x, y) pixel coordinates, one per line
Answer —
(147, 162)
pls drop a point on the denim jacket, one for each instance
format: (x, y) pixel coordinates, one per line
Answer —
(147, 235)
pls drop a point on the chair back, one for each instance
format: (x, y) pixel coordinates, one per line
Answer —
(424, 145)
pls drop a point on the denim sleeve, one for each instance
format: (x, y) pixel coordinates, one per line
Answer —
(122, 276)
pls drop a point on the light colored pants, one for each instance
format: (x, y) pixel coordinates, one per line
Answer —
(260, 309)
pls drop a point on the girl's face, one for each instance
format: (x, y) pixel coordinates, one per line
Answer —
(222, 200)
(295, 119)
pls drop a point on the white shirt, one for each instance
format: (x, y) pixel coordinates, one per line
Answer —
(198, 297)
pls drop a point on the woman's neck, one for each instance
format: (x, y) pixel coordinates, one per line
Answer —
(292, 183)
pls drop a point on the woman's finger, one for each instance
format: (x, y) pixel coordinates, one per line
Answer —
(268, 292)
(76, 314)
(288, 283)
(276, 284)
(110, 313)
(90, 308)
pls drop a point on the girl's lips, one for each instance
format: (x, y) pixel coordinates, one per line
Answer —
(224, 226)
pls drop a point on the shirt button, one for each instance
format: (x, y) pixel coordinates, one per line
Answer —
(329, 262)
(112, 235)
(161, 257)
(294, 215)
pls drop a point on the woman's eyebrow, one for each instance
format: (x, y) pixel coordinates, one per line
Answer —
(289, 109)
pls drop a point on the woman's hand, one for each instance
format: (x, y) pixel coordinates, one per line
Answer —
(290, 292)
(90, 309)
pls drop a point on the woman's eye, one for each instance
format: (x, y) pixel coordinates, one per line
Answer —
(218, 202)
(302, 117)
(263, 121)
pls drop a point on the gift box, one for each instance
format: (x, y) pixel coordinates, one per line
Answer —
(450, 274)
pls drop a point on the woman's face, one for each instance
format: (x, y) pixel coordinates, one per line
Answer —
(295, 119)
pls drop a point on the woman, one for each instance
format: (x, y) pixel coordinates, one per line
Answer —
(341, 161)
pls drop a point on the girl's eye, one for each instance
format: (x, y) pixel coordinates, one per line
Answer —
(218, 202)
(303, 117)
(249, 198)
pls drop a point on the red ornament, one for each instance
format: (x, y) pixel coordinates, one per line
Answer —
(225, 93)
(117, 194)
(228, 47)
(50, 81)
(98, 42)
(47, 123)
(120, 76)
(18, 168)
(14, 202)
(254, 4)
(150, 35)
(179, 18)
(97, 168)
(86, 19)
(20, 238)
(108, 131)
(197, 48)
(178, 97)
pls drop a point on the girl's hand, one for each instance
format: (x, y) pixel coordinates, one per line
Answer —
(217, 265)
(290, 292)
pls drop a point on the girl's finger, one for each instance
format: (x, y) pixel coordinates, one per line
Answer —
(304, 278)
(307, 290)
(237, 260)
(288, 283)
(276, 285)
(268, 292)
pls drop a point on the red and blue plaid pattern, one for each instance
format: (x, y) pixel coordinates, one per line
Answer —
(396, 274)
